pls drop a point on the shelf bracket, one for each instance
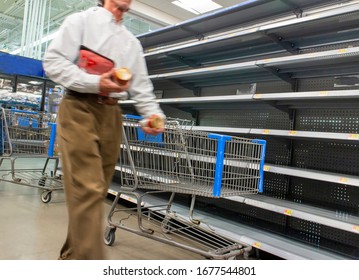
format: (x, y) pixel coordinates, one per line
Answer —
(296, 10)
(282, 108)
(285, 77)
(14, 84)
(288, 46)
(188, 62)
(196, 90)
(193, 32)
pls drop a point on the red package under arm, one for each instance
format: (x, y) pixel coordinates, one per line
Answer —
(94, 63)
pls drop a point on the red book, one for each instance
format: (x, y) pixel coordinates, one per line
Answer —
(93, 62)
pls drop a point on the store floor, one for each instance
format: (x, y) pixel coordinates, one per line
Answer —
(33, 230)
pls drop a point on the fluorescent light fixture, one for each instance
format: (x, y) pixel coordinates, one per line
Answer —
(183, 6)
(42, 41)
(35, 83)
(197, 6)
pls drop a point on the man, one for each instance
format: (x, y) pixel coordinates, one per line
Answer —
(81, 58)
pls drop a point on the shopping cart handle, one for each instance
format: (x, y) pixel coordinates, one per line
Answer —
(24, 111)
(220, 137)
(261, 164)
(51, 149)
(133, 117)
(218, 173)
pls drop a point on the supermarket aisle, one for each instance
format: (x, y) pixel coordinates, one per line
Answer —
(32, 230)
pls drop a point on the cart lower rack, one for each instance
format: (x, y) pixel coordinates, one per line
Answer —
(27, 150)
(184, 161)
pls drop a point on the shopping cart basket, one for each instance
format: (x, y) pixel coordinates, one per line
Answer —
(27, 150)
(185, 161)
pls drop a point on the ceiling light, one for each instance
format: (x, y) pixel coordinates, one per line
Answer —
(197, 7)
(43, 40)
(35, 83)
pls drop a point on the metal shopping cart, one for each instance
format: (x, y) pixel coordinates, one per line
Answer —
(28, 150)
(185, 161)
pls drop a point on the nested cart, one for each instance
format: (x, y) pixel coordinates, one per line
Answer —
(28, 150)
(182, 160)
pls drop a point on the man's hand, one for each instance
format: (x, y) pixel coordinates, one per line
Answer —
(153, 125)
(108, 85)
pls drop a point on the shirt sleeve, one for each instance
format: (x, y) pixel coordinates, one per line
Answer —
(141, 89)
(59, 60)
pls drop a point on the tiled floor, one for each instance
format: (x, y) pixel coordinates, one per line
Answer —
(33, 230)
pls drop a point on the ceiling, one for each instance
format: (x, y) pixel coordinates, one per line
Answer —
(145, 15)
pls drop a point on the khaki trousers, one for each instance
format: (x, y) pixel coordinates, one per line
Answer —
(89, 136)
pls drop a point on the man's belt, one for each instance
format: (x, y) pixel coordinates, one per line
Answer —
(106, 100)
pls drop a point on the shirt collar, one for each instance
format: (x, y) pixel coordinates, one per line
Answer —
(108, 15)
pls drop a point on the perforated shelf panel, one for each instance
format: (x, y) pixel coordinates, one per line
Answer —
(246, 214)
(320, 84)
(246, 118)
(276, 185)
(334, 157)
(337, 197)
(324, 237)
(344, 120)
(315, 234)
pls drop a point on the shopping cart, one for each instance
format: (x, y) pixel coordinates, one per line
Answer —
(27, 150)
(183, 161)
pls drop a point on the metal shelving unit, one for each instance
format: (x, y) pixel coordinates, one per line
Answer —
(314, 174)
(260, 239)
(293, 24)
(320, 96)
(247, 12)
(264, 38)
(290, 45)
(321, 216)
(334, 62)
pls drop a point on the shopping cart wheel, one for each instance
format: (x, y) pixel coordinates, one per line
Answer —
(46, 196)
(109, 236)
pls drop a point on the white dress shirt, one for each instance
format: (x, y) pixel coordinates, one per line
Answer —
(97, 30)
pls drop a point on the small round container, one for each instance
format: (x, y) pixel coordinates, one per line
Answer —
(156, 122)
(123, 75)
(153, 122)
